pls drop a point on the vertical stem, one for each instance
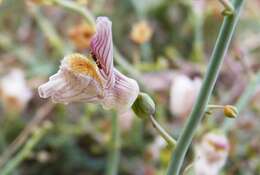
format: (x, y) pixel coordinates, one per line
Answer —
(227, 4)
(196, 115)
(48, 30)
(198, 22)
(114, 152)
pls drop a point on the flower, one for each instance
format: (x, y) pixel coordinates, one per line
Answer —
(81, 79)
(211, 154)
(183, 94)
(81, 35)
(15, 94)
(161, 80)
(141, 32)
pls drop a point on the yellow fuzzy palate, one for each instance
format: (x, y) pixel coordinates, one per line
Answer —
(80, 64)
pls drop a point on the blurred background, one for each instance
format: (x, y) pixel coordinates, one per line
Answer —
(166, 46)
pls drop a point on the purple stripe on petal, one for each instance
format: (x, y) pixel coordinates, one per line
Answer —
(102, 48)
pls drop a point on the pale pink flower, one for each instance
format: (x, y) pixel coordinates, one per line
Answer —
(15, 93)
(211, 154)
(183, 94)
(95, 80)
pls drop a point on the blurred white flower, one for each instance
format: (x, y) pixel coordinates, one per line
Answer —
(183, 94)
(161, 80)
(95, 80)
(15, 94)
(211, 154)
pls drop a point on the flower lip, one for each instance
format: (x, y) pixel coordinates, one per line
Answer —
(79, 64)
(218, 142)
(218, 146)
(101, 48)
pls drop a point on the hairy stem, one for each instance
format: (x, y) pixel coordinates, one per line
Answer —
(196, 115)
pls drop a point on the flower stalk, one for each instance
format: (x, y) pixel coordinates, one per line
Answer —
(169, 139)
(221, 46)
(228, 110)
(144, 107)
(70, 5)
(48, 30)
(115, 144)
(229, 8)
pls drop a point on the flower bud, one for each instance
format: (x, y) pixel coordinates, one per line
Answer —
(143, 106)
(230, 111)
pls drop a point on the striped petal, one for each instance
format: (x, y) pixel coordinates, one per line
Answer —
(123, 94)
(73, 83)
(102, 49)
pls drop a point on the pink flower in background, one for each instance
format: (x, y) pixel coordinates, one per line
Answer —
(211, 154)
(183, 94)
(95, 80)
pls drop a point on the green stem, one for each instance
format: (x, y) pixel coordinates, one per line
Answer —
(228, 5)
(26, 150)
(196, 115)
(169, 139)
(114, 152)
(73, 6)
(215, 107)
(48, 30)
(197, 50)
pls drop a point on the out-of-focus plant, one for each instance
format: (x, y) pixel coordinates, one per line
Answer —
(176, 40)
(196, 115)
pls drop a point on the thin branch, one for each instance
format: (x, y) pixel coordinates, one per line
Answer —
(169, 139)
